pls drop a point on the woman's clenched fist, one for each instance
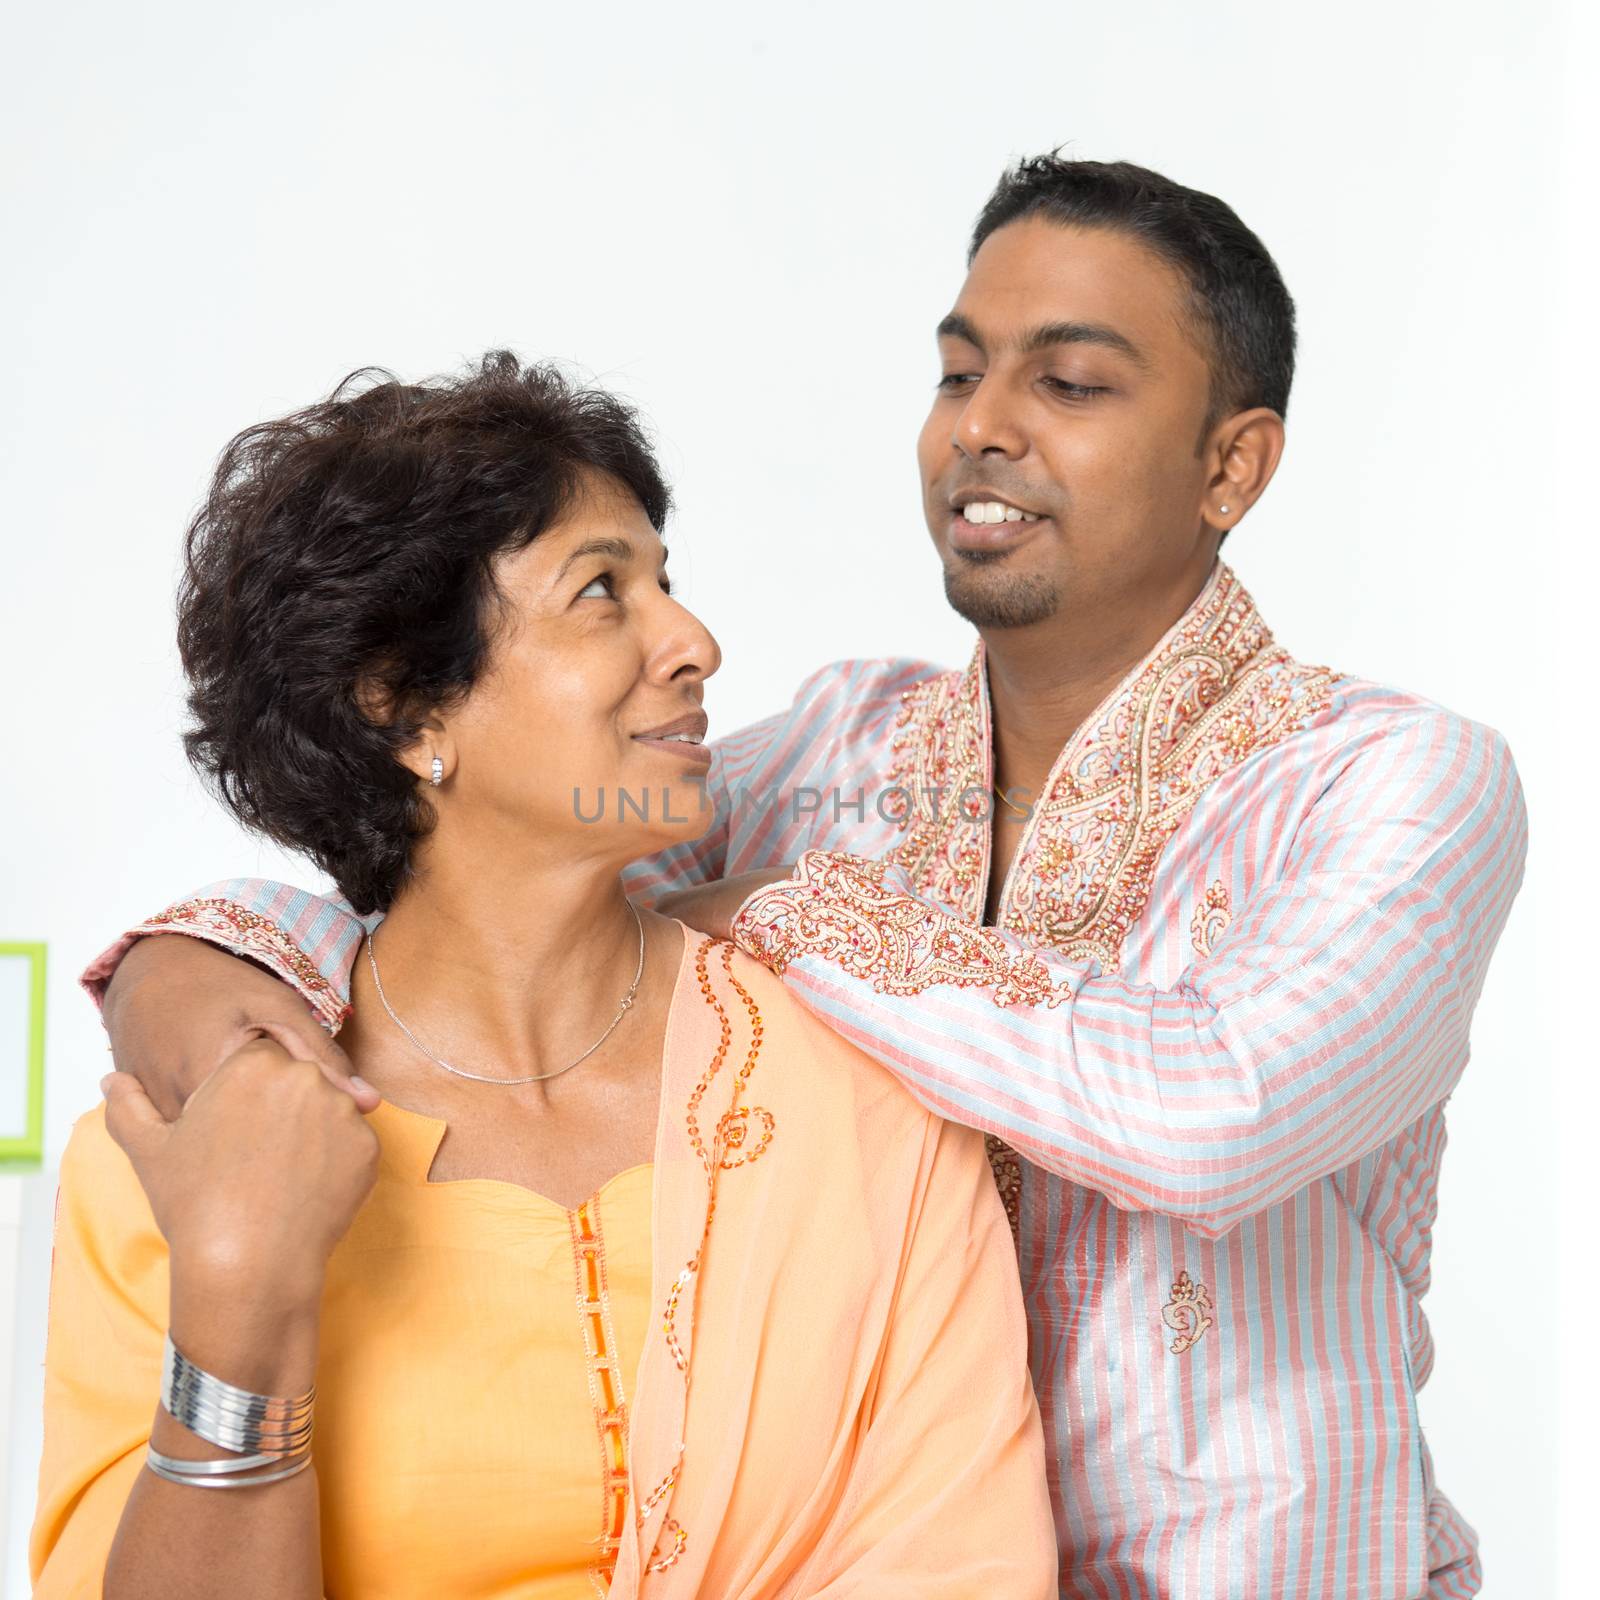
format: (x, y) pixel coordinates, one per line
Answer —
(258, 1178)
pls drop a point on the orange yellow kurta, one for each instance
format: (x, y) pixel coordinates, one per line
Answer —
(472, 1386)
(832, 1397)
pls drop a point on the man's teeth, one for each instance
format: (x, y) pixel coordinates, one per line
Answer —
(995, 511)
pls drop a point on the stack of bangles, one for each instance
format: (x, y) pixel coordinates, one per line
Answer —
(272, 1436)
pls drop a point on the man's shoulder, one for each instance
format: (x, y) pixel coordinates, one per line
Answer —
(867, 683)
(849, 705)
(1392, 748)
(1363, 710)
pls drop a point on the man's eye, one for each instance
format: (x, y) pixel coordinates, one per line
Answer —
(604, 583)
(1074, 391)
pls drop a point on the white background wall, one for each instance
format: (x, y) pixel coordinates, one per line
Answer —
(749, 221)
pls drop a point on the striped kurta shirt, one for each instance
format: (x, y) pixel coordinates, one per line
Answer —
(1210, 1033)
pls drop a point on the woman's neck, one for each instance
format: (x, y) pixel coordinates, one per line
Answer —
(521, 967)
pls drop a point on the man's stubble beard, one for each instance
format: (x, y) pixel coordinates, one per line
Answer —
(989, 599)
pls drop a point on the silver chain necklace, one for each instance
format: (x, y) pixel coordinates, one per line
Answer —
(537, 1077)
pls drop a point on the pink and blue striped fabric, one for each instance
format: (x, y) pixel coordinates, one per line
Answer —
(1225, 998)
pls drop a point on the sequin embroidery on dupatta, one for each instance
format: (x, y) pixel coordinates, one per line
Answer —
(740, 1137)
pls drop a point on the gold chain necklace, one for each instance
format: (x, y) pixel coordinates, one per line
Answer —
(536, 1077)
(1010, 804)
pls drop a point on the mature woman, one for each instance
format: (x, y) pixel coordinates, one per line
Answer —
(617, 1271)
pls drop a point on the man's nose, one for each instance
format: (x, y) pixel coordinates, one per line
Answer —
(988, 423)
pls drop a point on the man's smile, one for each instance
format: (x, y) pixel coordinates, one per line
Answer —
(975, 528)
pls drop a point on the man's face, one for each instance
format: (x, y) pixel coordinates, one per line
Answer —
(1074, 393)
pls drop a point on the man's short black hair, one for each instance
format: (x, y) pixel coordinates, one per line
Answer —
(344, 560)
(1240, 306)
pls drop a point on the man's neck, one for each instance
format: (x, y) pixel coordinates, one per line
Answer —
(1045, 681)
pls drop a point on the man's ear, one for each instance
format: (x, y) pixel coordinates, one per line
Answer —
(1243, 453)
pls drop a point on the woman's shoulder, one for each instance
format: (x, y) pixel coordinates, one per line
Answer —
(97, 1181)
(91, 1155)
(774, 1076)
(804, 1058)
(106, 1243)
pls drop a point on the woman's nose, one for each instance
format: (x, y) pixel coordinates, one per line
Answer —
(685, 646)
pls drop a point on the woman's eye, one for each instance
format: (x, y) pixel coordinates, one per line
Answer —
(604, 583)
(958, 380)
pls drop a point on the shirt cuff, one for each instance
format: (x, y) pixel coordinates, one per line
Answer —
(860, 918)
(240, 932)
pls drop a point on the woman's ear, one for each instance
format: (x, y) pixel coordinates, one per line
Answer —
(430, 757)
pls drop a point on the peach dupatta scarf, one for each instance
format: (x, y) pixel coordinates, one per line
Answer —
(836, 1399)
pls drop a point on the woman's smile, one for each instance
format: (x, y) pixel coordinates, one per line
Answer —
(684, 737)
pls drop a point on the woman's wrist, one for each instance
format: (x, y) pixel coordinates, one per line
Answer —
(280, 1280)
(248, 1335)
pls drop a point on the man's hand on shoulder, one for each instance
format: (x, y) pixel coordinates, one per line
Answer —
(711, 907)
(177, 1008)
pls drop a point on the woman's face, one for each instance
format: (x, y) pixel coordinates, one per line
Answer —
(585, 736)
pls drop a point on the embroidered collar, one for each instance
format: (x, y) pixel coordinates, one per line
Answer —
(1215, 690)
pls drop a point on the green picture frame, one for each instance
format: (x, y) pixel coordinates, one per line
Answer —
(27, 1149)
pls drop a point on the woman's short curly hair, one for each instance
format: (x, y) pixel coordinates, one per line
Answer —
(344, 556)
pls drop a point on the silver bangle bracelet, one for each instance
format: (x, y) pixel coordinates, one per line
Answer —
(226, 1415)
(266, 1430)
(244, 1434)
(209, 1474)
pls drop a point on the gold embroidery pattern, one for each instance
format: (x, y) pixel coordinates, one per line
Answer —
(1211, 918)
(1187, 1313)
(605, 1385)
(1006, 1165)
(732, 1128)
(732, 1134)
(248, 932)
(1215, 693)
(940, 759)
(836, 906)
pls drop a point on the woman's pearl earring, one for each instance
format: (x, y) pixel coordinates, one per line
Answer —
(437, 775)
(1223, 510)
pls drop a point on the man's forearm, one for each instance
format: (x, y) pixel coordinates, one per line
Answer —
(161, 960)
(307, 940)
(1332, 1014)
(176, 1008)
